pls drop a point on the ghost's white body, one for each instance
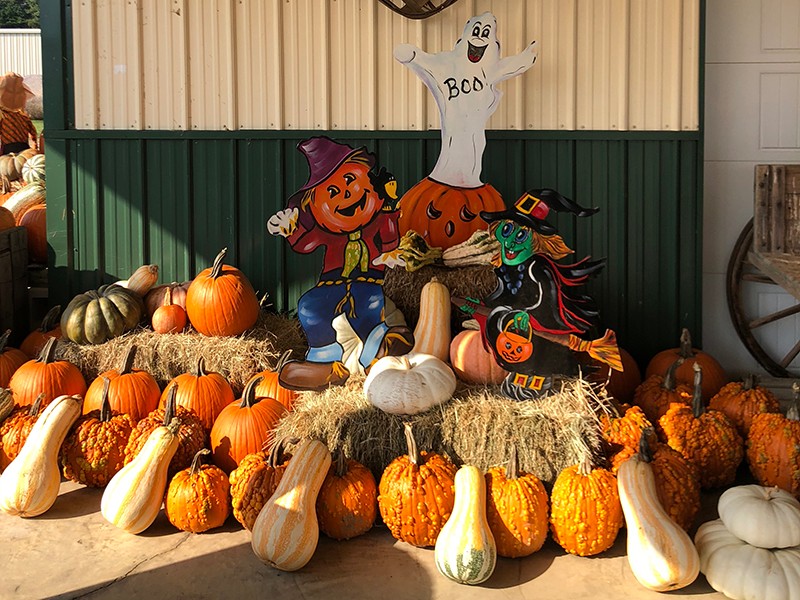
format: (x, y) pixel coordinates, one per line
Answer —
(466, 94)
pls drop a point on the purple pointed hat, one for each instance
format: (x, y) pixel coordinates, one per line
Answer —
(324, 156)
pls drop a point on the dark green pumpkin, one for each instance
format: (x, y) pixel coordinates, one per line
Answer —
(97, 316)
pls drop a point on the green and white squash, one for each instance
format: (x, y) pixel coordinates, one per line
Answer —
(465, 549)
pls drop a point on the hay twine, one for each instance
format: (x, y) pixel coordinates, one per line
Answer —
(166, 356)
(477, 426)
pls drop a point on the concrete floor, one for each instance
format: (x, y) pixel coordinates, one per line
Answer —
(72, 552)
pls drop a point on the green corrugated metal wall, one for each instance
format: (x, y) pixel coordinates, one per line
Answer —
(118, 199)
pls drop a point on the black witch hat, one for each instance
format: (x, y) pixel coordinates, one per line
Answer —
(533, 207)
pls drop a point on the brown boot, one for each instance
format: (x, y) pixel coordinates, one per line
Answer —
(398, 340)
(314, 376)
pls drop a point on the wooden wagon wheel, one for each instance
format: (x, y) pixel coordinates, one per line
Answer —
(742, 272)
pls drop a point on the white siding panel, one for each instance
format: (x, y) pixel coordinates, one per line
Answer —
(21, 51)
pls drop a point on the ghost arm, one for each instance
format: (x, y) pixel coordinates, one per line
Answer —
(420, 63)
(511, 66)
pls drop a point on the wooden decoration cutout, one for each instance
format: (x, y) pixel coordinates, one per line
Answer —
(346, 208)
(417, 9)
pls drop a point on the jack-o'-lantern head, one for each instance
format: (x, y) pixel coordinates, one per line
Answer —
(514, 346)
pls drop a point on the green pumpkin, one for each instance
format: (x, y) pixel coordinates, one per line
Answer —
(97, 316)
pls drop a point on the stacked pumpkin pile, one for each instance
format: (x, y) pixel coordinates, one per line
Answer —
(22, 198)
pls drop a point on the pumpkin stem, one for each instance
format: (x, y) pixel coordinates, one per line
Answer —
(4, 340)
(51, 319)
(411, 443)
(127, 361)
(585, 466)
(340, 463)
(174, 425)
(278, 451)
(37, 404)
(197, 461)
(749, 382)
(686, 344)
(645, 449)
(669, 377)
(283, 360)
(512, 468)
(216, 268)
(105, 405)
(698, 408)
(168, 297)
(249, 393)
(170, 406)
(48, 353)
(200, 370)
(793, 414)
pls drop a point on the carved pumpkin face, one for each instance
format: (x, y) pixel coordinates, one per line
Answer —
(516, 242)
(346, 201)
(513, 348)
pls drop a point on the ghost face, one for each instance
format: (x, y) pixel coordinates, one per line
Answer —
(346, 201)
(479, 34)
(516, 242)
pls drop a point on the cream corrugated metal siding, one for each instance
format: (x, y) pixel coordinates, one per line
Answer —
(21, 51)
(327, 64)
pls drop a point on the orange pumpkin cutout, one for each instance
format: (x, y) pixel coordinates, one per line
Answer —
(513, 347)
(446, 215)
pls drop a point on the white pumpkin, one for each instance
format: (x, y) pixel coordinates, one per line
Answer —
(761, 516)
(409, 384)
(745, 572)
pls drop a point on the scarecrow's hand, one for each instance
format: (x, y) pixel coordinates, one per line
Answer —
(522, 321)
(283, 223)
(393, 258)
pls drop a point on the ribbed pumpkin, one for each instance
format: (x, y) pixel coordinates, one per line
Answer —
(33, 170)
(471, 362)
(516, 509)
(198, 497)
(465, 549)
(657, 392)
(255, 480)
(622, 384)
(11, 165)
(191, 434)
(432, 333)
(169, 317)
(766, 517)
(585, 512)
(203, 392)
(34, 220)
(45, 375)
(7, 220)
(49, 328)
(742, 400)
(244, 426)
(11, 359)
(221, 301)
(773, 447)
(97, 316)
(132, 391)
(15, 429)
(706, 438)
(347, 504)
(286, 532)
(270, 387)
(714, 376)
(416, 494)
(155, 297)
(94, 450)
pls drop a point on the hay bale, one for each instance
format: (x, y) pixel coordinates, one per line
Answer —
(477, 426)
(404, 288)
(165, 356)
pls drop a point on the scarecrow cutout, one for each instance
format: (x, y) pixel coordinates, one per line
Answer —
(16, 128)
(347, 209)
(445, 207)
(534, 320)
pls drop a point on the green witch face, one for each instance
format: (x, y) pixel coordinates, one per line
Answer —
(516, 242)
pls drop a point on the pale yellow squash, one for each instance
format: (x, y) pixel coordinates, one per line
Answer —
(29, 486)
(141, 280)
(133, 497)
(286, 532)
(432, 333)
(660, 553)
(465, 550)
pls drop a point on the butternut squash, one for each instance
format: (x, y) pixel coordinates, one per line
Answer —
(286, 532)
(432, 333)
(29, 486)
(465, 550)
(660, 553)
(133, 497)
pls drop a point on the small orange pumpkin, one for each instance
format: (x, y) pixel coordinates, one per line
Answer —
(50, 327)
(11, 359)
(471, 362)
(48, 376)
(347, 504)
(270, 386)
(743, 400)
(15, 430)
(198, 497)
(169, 317)
(656, 393)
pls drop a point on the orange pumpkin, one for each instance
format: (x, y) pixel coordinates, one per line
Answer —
(198, 497)
(743, 400)
(471, 362)
(50, 327)
(155, 297)
(445, 215)
(655, 394)
(220, 301)
(204, 393)
(244, 426)
(270, 387)
(714, 376)
(133, 391)
(45, 375)
(347, 504)
(5, 190)
(11, 359)
(169, 317)
(34, 220)
(622, 384)
(15, 430)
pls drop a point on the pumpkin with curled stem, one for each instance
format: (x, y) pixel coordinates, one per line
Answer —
(743, 400)
(409, 384)
(657, 393)
(198, 497)
(97, 316)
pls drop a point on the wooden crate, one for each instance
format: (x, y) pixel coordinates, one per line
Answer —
(14, 283)
(776, 215)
